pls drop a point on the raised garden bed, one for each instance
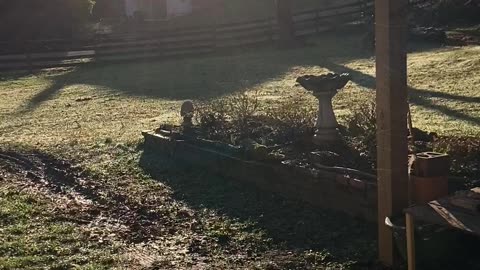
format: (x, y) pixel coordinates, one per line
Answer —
(275, 148)
(322, 186)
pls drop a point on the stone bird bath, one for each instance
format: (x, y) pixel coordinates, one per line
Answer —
(324, 88)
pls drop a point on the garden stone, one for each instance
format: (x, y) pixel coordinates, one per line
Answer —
(324, 88)
(187, 111)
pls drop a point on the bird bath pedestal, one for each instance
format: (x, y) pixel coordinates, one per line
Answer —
(326, 124)
(324, 88)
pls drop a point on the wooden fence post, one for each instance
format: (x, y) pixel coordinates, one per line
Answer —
(391, 70)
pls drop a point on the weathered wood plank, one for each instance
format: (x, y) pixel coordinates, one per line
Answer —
(447, 212)
(410, 242)
(391, 74)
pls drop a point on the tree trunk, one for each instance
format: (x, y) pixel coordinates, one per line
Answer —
(285, 21)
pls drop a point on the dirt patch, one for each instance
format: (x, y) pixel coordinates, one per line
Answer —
(89, 202)
(193, 222)
(104, 212)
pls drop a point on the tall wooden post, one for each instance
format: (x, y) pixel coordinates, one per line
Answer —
(391, 36)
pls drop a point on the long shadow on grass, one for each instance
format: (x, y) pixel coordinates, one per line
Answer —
(207, 77)
(294, 225)
(8, 76)
(200, 77)
(419, 97)
(358, 77)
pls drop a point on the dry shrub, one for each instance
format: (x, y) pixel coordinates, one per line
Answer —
(211, 113)
(464, 153)
(233, 119)
(362, 130)
(293, 119)
(228, 116)
(242, 108)
(239, 117)
(212, 117)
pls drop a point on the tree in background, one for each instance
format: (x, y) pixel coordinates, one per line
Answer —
(42, 19)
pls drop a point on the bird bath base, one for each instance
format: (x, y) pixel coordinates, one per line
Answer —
(326, 136)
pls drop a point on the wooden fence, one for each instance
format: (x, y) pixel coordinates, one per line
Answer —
(167, 43)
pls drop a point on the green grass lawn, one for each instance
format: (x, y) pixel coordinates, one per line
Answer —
(33, 237)
(93, 115)
(119, 100)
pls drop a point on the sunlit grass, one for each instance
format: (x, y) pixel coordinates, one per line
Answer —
(33, 237)
(89, 105)
(75, 112)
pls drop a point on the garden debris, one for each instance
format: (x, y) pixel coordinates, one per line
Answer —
(83, 99)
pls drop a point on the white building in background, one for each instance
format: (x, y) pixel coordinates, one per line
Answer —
(158, 9)
(179, 7)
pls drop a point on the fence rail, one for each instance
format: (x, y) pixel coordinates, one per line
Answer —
(176, 42)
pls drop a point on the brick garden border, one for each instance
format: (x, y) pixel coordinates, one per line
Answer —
(318, 187)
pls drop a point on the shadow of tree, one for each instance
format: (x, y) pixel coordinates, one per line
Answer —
(358, 77)
(46, 94)
(422, 98)
(213, 76)
(435, 94)
(7, 76)
(292, 224)
(199, 77)
(419, 97)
